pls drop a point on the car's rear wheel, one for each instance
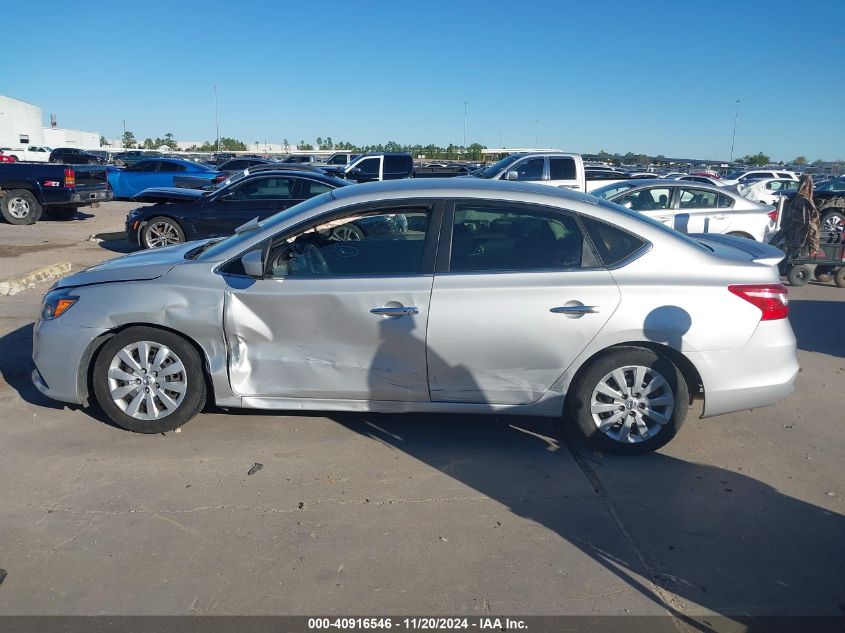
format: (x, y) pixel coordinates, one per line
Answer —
(839, 277)
(630, 400)
(20, 207)
(161, 231)
(346, 233)
(60, 213)
(798, 275)
(149, 380)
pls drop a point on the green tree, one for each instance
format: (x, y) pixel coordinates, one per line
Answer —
(170, 141)
(104, 142)
(128, 140)
(148, 143)
(759, 159)
(286, 146)
(799, 160)
(303, 145)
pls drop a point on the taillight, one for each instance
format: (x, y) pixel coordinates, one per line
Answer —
(773, 215)
(70, 178)
(219, 178)
(770, 298)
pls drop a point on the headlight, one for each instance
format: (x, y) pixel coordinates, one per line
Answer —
(56, 303)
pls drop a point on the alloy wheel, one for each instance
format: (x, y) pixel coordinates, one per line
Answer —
(831, 222)
(19, 208)
(162, 234)
(147, 380)
(632, 404)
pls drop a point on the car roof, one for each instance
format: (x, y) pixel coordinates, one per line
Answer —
(313, 175)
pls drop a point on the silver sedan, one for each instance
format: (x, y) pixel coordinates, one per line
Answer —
(461, 296)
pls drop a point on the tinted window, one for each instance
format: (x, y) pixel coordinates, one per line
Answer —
(377, 243)
(495, 238)
(262, 189)
(561, 168)
(783, 175)
(167, 166)
(369, 166)
(612, 243)
(531, 169)
(337, 160)
(702, 199)
(647, 199)
(144, 165)
(398, 164)
(311, 188)
(608, 191)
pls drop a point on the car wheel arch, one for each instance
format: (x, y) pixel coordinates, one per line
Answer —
(85, 378)
(688, 369)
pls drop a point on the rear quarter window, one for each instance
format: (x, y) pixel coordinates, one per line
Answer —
(612, 243)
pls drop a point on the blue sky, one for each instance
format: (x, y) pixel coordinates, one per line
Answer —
(654, 77)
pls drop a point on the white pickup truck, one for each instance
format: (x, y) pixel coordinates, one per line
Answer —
(30, 153)
(555, 169)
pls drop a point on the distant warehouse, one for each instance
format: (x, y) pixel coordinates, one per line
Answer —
(22, 124)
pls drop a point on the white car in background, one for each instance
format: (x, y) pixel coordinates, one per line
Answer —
(737, 177)
(692, 207)
(767, 190)
(31, 153)
(707, 180)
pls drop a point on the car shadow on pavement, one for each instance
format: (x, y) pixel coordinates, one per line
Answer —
(710, 536)
(818, 326)
(16, 368)
(122, 246)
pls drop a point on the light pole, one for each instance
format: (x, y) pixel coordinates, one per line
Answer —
(537, 135)
(465, 124)
(500, 139)
(733, 139)
(216, 120)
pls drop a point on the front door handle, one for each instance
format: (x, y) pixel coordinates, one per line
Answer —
(576, 309)
(395, 311)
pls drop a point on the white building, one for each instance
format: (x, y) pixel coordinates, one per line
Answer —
(60, 137)
(20, 124)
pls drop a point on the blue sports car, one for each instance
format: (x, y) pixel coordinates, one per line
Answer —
(158, 172)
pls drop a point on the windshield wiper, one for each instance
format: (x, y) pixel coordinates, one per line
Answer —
(193, 254)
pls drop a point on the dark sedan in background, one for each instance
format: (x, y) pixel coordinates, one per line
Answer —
(183, 215)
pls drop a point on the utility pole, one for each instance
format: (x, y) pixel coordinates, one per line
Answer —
(733, 139)
(537, 134)
(500, 139)
(465, 124)
(216, 120)
(123, 139)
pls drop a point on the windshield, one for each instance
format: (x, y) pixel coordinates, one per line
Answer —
(734, 175)
(608, 191)
(217, 248)
(495, 168)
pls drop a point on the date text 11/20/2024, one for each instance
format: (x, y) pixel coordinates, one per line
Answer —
(421, 624)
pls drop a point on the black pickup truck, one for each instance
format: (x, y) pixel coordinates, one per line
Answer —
(28, 189)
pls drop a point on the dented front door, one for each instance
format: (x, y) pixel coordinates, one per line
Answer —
(353, 338)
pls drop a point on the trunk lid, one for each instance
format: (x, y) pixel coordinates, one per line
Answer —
(740, 248)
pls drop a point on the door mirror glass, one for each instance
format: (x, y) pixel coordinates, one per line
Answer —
(253, 263)
(512, 175)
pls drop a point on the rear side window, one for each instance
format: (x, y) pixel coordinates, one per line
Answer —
(497, 238)
(561, 168)
(167, 166)
(311, 188)
(612, 243)
(396, 164)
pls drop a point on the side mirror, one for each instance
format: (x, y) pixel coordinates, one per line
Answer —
(253, 263)
(512, 175)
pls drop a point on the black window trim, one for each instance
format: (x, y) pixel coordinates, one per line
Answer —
(444, 253)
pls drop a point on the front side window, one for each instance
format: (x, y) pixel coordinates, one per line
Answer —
(383, 242)
(262, 189)
(144, 165)
(369, 166)
(528, 170)
(702, 199)
(488, 238)
(167, 166)
(652, 199)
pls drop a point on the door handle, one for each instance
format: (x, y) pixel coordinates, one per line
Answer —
(395, 311)
(718, 216)
(578, 309)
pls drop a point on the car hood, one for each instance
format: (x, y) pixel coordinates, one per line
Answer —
(140, 266)
(168, 194)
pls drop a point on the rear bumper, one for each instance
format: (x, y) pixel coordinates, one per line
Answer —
(78, 198)
(760, 373)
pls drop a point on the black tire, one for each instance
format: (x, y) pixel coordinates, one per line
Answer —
(839, 277)
(60, 213)
(578, 416)
(823, 274)
(161, 225)
(798, 275)
(195, 391)
(836, 217)
(20, 207)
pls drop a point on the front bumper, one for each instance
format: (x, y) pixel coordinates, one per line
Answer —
(61, 354)
(760, 373)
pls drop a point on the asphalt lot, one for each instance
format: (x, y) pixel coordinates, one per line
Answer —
(413, 514)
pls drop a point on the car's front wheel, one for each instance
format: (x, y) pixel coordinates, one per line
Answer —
(149, 380)
(832, 220)
(161, 231)
(630, 400)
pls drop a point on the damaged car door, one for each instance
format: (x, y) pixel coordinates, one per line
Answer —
(340, 310)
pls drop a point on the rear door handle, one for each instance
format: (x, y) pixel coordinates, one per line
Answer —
(575, 310)
(395, 311)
